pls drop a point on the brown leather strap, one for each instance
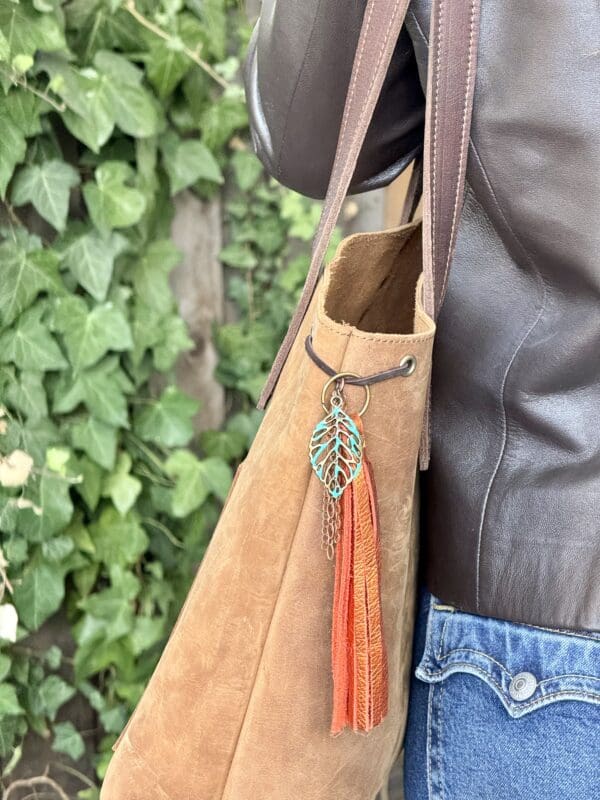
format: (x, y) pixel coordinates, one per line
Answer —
(453, 38)
(380, 29)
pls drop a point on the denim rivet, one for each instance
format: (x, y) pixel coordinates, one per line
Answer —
(522, 686)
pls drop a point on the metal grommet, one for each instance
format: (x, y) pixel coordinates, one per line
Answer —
(341, 376)
(522, 686)
(409, 364)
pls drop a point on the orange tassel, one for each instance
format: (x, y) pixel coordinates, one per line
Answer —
(359, 662)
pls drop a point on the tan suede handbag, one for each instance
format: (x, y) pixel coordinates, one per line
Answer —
(281, 656)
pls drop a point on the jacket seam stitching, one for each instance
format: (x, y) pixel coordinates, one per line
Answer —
(502, 453)
(296, 85)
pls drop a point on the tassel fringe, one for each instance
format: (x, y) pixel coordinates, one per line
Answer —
(359, 662)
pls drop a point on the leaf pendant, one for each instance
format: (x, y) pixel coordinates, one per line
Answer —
(336, 449)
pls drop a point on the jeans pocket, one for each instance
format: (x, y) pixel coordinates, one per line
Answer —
(527, 667)
(501, 711)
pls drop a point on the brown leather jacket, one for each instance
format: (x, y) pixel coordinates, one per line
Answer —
(513, 520)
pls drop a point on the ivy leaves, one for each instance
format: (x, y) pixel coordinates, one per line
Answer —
(89, 333)
(110, 93)
(91, 259)
(188, 161)
(104, 506)
(25, 273)
(47, 188)
(111, 200)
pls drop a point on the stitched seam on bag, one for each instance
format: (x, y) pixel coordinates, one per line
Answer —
(326, 322)
(436, 69)
(268, 631)
(464, 138)
(532, 704)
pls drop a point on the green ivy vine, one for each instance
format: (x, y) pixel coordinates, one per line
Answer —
(107, 499)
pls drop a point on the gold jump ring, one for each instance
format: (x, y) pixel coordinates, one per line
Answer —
(339, 376)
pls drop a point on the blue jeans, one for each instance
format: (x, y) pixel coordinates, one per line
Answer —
(501, 711)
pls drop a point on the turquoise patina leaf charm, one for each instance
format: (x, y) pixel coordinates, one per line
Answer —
(336, 449)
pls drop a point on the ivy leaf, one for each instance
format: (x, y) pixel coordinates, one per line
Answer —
(8, 737)
(30, 345)
(99, 388)
(173, 340)
(28, 30)
(46, 5)
(96, 439)
(151, 273)
(187, 161)
(23, 107)
(68, 740)
(39, 594)
(57, 549)
(238, 255)
(25, 273)
(27, 395)
(88, 115)
(12, 149)
(111, 202)
(91, 485)
(122, 488)
(91, 258)
(133, 108)
(89, 335)
(168, 421)
(47, 188)
(214, 17)
(4, 48)
(166, 65)
(228, 444)
(221, 119)
(246, 168)
(9, 704)
(196, 480)
(54, 692)
(118, 539)
(54, 500)
(53, 656)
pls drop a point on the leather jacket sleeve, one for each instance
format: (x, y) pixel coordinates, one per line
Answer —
(296, 75)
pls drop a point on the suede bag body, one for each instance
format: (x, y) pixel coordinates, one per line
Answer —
(239, 705)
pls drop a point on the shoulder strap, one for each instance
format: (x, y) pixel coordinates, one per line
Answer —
(381, 27)
(453, 38)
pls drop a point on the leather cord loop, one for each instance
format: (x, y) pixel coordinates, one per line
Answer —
(403, 370)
